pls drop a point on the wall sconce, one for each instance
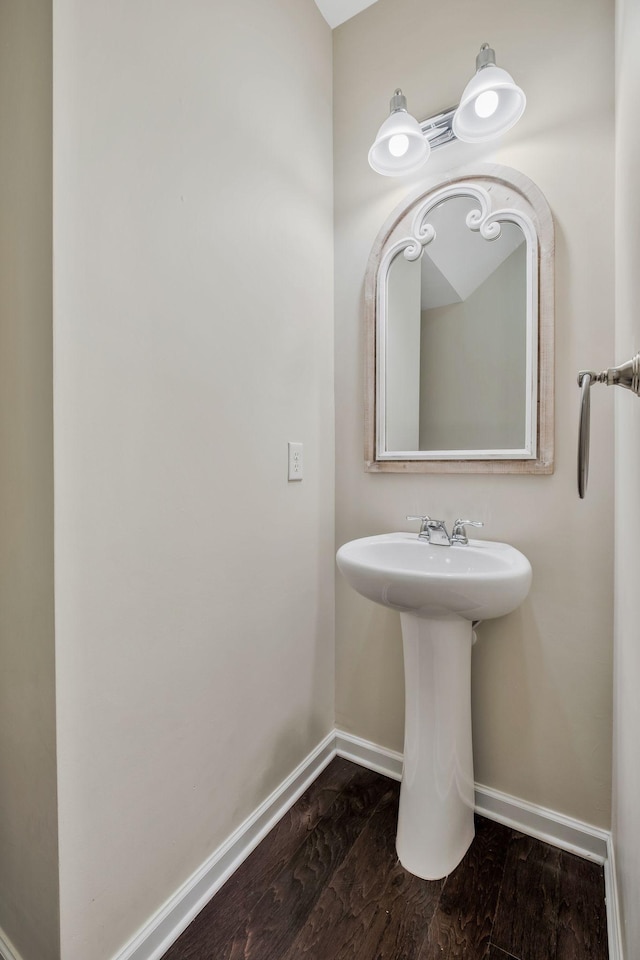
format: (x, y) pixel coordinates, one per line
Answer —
(491, 104)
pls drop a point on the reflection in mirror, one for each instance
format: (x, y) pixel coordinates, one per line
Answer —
(460, 330)
(456, 365)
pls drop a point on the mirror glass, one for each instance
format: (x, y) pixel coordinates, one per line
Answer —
(456, 345)
(459, 312)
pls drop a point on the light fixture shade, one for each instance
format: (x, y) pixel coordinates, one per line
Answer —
(400, 146)
(471, 122)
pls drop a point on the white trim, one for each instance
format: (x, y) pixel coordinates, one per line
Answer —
(368, 754)
(164, 928)
(7, 949)
(544, 824)
(614, 926)
(155, 938)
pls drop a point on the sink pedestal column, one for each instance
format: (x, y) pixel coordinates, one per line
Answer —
(435, 821)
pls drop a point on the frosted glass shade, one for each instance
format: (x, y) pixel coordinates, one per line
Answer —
(400, 146)
(480, 116)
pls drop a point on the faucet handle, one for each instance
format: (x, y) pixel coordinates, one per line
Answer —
(459, 534)
(423, 523)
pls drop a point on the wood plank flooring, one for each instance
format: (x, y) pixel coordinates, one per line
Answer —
(325, 884)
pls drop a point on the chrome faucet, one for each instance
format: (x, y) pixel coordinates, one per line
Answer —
(435, 531)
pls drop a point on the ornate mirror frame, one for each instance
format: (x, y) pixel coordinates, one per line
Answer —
(502, 195)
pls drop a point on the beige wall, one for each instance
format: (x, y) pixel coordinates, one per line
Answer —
(193, 339)
(626, 780)
(542, 676)
(28, 839)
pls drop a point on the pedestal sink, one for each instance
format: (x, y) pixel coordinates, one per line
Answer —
(439, 591)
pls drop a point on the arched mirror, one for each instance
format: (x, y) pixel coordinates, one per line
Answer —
(459, 313)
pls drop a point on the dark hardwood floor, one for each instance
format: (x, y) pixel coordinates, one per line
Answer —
(325, 884)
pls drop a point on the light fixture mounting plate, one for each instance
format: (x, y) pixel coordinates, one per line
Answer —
(438, 129)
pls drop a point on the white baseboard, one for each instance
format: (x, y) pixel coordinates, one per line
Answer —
(163, 929)
(368, 754)
(7, 949)
(614, 925)
(544, 824)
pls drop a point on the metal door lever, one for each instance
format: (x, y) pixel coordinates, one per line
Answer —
(626, 375)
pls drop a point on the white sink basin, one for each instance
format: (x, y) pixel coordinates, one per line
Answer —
(438, 591)
(476, 581)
